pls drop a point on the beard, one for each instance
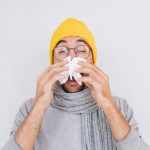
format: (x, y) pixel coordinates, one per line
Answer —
(72, 86)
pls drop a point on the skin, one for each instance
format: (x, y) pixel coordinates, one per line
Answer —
(98, 83)
(72, 87)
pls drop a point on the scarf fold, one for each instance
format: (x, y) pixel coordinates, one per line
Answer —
(96, 134)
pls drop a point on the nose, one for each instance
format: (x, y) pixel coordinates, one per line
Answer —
(72, 53)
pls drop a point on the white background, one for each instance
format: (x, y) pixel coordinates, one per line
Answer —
(122, 33)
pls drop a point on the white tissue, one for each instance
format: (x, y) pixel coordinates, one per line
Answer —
(72, 65)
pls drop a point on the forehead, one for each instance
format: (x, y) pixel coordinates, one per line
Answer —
(72, 40)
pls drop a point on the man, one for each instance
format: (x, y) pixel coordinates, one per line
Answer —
(72, 116)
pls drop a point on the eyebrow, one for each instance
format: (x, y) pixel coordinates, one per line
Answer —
(79, 40)
(61, 41)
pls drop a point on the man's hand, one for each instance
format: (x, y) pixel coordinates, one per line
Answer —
(97, 81)
(45, 82)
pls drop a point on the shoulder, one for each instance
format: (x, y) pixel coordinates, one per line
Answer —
(123, 104)
(26, 106)
(120, 101)
(22, 112)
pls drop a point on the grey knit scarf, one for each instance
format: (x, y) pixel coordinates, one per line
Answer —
(96, 134)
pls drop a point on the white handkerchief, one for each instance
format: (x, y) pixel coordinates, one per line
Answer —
(72, 65)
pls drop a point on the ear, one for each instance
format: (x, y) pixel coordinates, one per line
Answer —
(53, 58)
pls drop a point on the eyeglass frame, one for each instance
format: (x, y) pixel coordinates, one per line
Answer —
(74, 50)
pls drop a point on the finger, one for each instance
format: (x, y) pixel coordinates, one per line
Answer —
(102, 73)
(87, 65)
(53, 72)
(86, 70)
(97, 69)
(48, 85)
(88, 85)
(92, 73)
(89, 80)
(62, 63)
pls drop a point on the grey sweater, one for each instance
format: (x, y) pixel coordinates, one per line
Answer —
(61, 130)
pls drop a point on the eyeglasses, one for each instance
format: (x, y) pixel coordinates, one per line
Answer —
(61, 52)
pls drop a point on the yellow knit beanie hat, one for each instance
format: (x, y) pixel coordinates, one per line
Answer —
(72, 27)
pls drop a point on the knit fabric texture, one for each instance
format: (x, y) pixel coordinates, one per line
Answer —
(69, 28)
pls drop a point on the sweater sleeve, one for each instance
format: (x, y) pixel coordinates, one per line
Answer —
(24, 109)
(133, 140)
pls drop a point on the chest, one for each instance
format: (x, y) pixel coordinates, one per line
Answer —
(59, 131)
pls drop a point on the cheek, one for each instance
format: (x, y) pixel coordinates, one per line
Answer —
(55, 61)
(90, 59)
